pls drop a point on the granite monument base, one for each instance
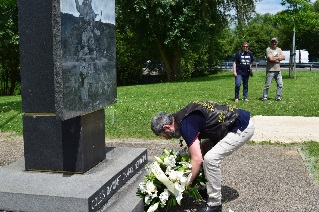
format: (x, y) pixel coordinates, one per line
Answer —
(74, 145)
(46, 191)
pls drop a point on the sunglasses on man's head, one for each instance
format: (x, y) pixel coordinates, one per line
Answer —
(245, 46)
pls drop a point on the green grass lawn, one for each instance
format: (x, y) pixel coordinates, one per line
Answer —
(130, 116)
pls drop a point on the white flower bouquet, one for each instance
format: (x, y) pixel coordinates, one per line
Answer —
(167, 180)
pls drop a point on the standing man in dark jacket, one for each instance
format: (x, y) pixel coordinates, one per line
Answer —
(204, 123)
(243, 62)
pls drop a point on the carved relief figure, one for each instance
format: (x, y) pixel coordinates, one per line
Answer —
(88, 30)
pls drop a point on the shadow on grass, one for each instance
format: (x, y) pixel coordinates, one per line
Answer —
(209, 78)
(11, 105)
(6, 107)
(9, 119)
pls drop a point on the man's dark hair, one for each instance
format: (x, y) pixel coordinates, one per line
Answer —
(159, 121)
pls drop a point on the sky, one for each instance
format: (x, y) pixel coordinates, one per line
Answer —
(270, 6)
(105, 9)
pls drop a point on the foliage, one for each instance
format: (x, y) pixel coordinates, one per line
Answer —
(129, 59)
(175, 28)
(243, 12)
(299, 13)
(9, 49)
(257, 32)
(301, 17)
(316, 6)
(261, 39)
(8, 3)
(167, 181)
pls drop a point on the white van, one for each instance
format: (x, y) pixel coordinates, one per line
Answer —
(302, 56)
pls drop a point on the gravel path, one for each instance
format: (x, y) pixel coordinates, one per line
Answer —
(255, 178)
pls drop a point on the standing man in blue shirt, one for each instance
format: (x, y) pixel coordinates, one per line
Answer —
(212, 132)
(243, 62)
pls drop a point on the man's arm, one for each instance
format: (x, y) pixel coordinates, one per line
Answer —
(282, 56)
(234, 64)
(234, 68)
(196, 159)
(273, 59)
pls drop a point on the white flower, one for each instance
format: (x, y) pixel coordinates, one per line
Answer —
(179, 174)
(142, 187)
(164, 196)
(159, 160)
(168, 169)
(173, 170)
(186, 165)
(170, 161)
(179, 197)
(184, 181)
(172, 175)
(179, 187)
(150, 187)
(189, 177)
(148, 199)
(153, 208)
(154, 195)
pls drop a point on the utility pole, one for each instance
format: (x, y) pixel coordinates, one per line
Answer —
(294, 51)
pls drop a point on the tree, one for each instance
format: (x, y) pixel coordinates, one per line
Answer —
(316, 6)
(258, 33)
(301, 17)
(244, 10)
(8, 3)
(258, 36)
(9, 48)
(175, 28)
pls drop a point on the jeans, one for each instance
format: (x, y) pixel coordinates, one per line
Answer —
(277, 76)
(213, 157)
(238, 80)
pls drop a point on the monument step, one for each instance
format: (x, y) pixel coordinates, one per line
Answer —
(51, 192)
(125, 199)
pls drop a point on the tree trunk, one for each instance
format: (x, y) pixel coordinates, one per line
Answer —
(171, 63)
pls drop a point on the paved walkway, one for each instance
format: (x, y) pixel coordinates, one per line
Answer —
(286, 129)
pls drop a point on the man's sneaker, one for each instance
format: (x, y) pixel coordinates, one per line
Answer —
(246, 100)
(278, 99)
(236, 100)
(264, 99)
(217, 208)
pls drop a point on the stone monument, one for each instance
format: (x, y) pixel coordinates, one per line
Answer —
(68, 75)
